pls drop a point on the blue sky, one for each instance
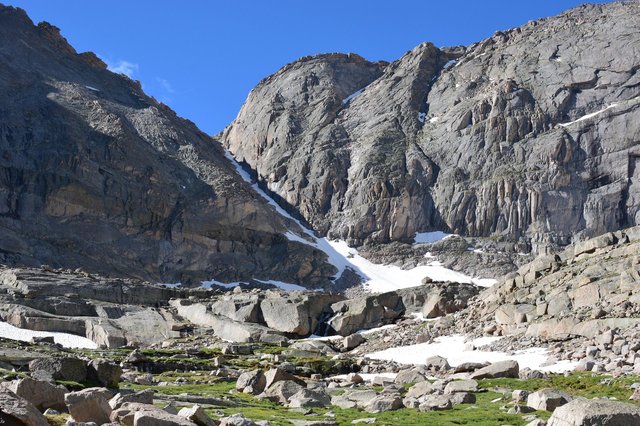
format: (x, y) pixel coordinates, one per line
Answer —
(203, 57)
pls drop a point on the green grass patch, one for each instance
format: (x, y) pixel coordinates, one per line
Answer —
(586, 384)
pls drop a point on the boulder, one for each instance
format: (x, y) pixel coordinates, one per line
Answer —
(41, 394)
(547, 399)
(15, 410)
(105, 372)
(159, 417)
(437, 363)
(242, 309)
(596, 412)
(89, 405)
(275, 375)
(62, 368)
(282, 391)
(435, 403)
(469, 385)
(353, 398)
(412, 375)
(357, 314)
(466, 367)
(458, 398)
(236, 420)
(285, 315)
(498, 369)
(252, 382)
(309, 398)
(197, 415)
(141, 397)
(419, 390)
(384, 402)
(352, 341)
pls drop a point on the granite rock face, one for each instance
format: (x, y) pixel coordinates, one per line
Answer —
(95, 174)
(527, 135)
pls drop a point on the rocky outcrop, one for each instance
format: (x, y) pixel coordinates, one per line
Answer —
(587, 289)
(522, 136)
(111, 312)
(96, 174)
(18, 411)
(582, 411)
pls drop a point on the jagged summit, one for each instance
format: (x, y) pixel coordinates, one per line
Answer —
(527, 136)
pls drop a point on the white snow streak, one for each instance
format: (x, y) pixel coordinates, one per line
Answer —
(67, 340)
(586, 117)
(351, 97)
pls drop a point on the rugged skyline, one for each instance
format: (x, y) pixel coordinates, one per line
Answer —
(203, 60)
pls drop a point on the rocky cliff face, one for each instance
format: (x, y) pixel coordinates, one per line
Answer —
(95, 174)
(532, 135)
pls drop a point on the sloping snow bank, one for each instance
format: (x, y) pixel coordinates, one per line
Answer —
(377, 278)
(382, 278)
(453, 349)
(8, 331)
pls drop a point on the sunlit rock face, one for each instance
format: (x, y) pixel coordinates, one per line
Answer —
(97, 175)
(532, 135)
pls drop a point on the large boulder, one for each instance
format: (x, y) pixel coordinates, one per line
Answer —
(62, 368)
(596, 412)
(309, 398)
(89, 405)
(140, 397)
(384, 402)
(282, 391)
(41, 394)
(15, 410)
(275, 375)
(252, 382)
(197, 415)
(159, 417)
(509, 369)
(242, 309)
(358, 314)
(105, 372)
(287, 315)
(547, 399)
(455, 386)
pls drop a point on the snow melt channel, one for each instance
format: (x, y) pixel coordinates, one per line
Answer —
(377, 278)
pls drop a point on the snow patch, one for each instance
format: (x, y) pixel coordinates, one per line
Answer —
(346, 101)
(450, 64)
(422, 116)
(92, 88)
(434, 119)
(453, 349)
(67, 340)
(382, 278)
(586, 117)
(430, 237)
